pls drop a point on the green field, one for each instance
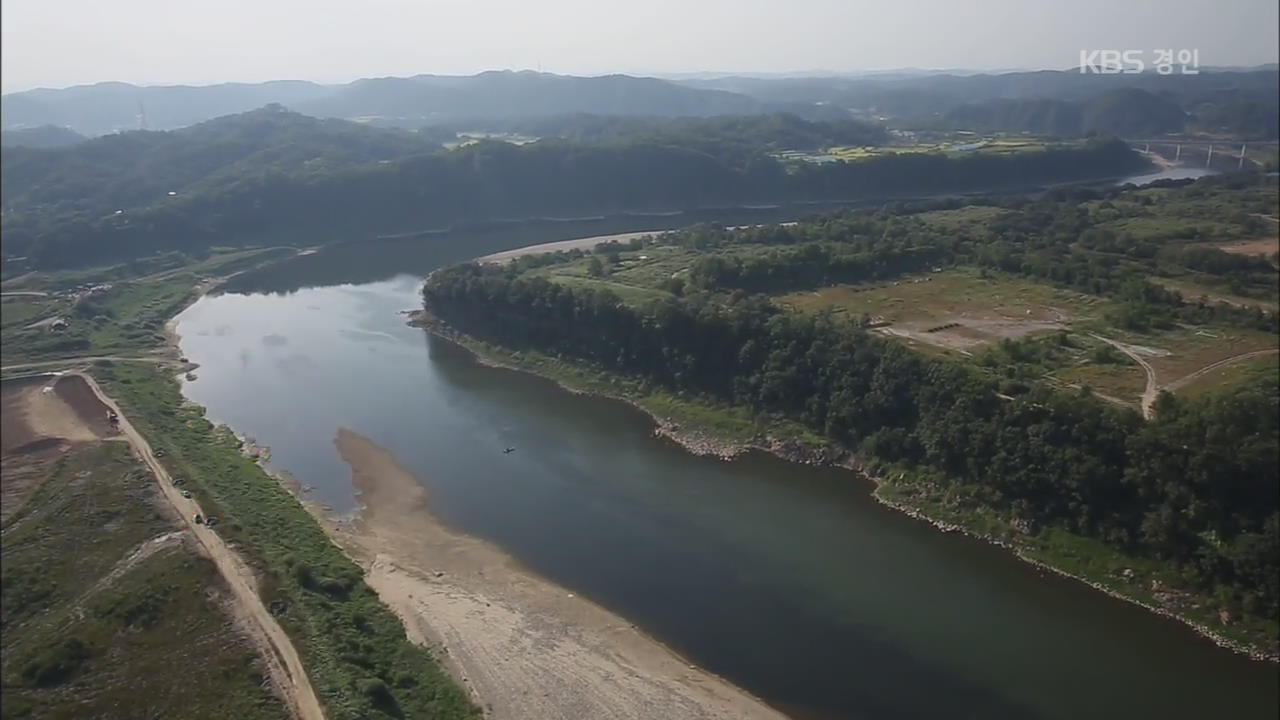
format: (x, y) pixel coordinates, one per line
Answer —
(1123, 381)
(994, 305)
(951, 148)
(86, 632)
(1248, 372)
(105, 311)
(355, 650)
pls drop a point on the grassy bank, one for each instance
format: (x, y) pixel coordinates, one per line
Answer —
(355, 650)
(105, 608)
(711, 428)
(117, 310)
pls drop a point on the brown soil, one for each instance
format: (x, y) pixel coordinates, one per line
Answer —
(524, 646)
(76, 393)
(15, 431)
(1257, 246)
(40, 417)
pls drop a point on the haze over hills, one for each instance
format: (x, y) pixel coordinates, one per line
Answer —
(43, 136)
(1122, 111)
(1230, 101)
(405, 102)
(275, 174)
(1243, 102)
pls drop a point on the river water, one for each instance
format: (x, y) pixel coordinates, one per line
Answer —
(789, 581)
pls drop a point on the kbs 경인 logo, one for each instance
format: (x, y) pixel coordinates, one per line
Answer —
(1126, 62)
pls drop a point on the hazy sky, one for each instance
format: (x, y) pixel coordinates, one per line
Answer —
(55, 43)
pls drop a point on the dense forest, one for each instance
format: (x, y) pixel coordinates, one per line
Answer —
(743, 134)
(1127, 112)
(1197, 486)
(44, 136)
(273, 176)
(1242, 102)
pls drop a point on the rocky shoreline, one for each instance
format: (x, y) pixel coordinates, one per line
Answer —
(700, 443)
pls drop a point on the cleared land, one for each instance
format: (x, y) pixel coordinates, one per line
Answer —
(1267, 246)
(967, 311)
(951, 148)
(959, 309)
(1192, 292)
(110, 609)
(1247, 370)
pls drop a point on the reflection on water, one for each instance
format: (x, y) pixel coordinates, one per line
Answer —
(789, 581)
(372, 260)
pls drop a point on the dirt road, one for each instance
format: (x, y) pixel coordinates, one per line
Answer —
(277, 650)
(158, 356)
(1184, 381)
(1153, 390)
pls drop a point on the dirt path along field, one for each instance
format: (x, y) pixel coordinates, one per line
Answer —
(1188, 379)
(1148, 395)
(277, 650)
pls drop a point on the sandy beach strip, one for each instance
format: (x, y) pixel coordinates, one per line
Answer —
(585, 243)
(524, 647)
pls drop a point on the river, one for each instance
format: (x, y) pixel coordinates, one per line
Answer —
(789, 581)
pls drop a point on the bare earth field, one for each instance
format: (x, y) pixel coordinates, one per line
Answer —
(1192, 292)
(525, 647)
(957, 309)
(1257, 246)
(110, 608)
(38, 426)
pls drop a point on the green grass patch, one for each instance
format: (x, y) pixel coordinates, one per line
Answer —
(119, 316)
(959, 293)
(1123, 381)
(85, 634)
(960, 219)
(347, 638)
(1245, 373)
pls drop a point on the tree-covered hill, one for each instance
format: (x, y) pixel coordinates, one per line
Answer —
(45, 136)
(1243, 102)
(129, 171)
(409, 102)
(273, 176)
(1124, 111)
(1191, 494)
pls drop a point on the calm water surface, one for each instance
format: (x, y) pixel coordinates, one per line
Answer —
(789, 581)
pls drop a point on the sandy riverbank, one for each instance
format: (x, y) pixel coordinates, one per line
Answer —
(525, 647)
(701, 443)
(550, 247)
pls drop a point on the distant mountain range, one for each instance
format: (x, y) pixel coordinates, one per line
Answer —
(1123, 111)
(44, 136)
(1243, 102)
(274, 176)
(401, 102)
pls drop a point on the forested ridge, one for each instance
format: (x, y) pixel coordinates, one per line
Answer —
(273, 176)
(1197, 486)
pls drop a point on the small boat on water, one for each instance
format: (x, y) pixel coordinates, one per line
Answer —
(508, 451)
